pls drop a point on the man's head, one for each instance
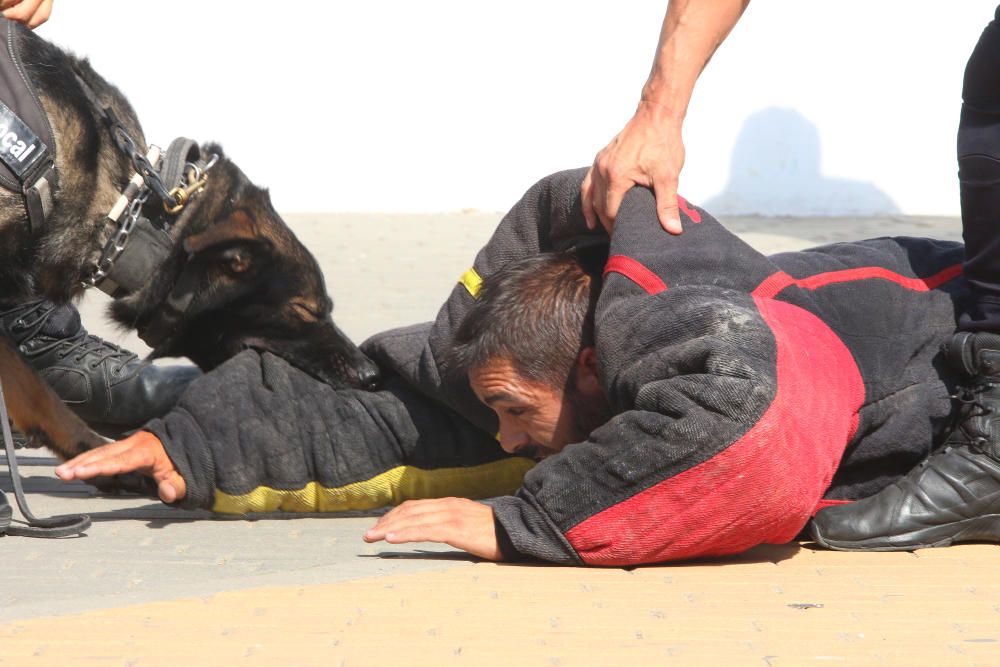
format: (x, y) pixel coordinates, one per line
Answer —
(528, 348)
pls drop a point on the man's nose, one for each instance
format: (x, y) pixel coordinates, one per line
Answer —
(512, 439)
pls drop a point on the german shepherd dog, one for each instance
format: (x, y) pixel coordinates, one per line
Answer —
(254, 284)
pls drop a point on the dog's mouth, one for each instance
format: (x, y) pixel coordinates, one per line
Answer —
(347, 368)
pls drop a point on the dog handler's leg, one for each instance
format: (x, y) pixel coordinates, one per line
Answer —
(979, 180)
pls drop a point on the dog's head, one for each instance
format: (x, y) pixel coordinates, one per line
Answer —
(239, 278)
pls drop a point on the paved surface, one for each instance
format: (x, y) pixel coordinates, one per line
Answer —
(151, 585)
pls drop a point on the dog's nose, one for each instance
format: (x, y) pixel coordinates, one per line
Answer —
(369, 376)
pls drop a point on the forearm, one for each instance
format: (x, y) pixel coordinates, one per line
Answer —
(692, 31)
(258, 435)
(649, 150)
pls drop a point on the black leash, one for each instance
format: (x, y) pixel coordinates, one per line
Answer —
(57, 526)
(126, 144)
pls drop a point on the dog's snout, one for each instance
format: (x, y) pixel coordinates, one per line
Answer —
(369, 376)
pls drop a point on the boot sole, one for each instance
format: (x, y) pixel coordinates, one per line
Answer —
(977, 529)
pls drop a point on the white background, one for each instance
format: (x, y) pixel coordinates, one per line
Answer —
(442, 105)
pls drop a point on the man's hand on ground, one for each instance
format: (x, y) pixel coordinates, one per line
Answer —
(31, 13)
(141, 452)
(648, 152)
(460, 522)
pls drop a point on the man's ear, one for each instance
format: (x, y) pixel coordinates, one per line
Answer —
(587, 379)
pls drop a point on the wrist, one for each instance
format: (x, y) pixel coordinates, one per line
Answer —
(660, 114)
(671, 83)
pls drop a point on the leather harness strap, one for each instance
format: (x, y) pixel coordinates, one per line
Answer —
(27, 144)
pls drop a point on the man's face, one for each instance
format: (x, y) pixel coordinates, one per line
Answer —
(537, 420)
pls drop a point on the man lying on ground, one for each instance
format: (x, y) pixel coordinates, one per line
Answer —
(720, 400)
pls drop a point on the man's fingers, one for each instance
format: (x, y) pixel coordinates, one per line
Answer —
(98, 454)
(415, 513)
(460, 522)
(24, 11)
(72, 469)
(419, 528)
(378, 531)
(670, 221)
(428, 532)
(615, 193)
(111, 459)
(167, 491)
(19, 12)
(586, 199)
(604, 182)
(665, 191)
(41, 14)
(405, 514)
(109, 465)
(140, 452)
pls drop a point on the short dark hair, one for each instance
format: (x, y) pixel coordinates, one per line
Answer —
(537, 312)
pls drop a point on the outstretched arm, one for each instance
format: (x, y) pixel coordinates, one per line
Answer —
(649, 151)
(258, 435)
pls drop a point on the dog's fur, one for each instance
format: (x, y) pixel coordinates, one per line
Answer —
(258, 286)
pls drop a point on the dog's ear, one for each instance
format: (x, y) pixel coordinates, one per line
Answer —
(234, 241)
(237, 227)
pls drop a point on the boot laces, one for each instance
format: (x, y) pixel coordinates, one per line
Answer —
(84, 345)
(33, 316)
(971, 405)
(970, 399)
(935, 453)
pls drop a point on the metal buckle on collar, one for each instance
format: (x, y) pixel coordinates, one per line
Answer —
(197, 177)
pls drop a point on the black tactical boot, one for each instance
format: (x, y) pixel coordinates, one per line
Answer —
(108, 387)
(953, 496)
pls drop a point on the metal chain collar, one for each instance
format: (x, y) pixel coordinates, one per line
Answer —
(196, 176)
(125, 214)
(116, 245)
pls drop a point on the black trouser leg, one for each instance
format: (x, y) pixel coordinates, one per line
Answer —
(979, 180)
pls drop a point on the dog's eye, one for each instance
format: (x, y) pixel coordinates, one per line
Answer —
(236, 260)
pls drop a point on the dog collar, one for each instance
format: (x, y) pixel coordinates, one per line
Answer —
(124, 267)
(142, 240)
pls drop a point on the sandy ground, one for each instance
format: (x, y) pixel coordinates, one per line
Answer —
(153, 585)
